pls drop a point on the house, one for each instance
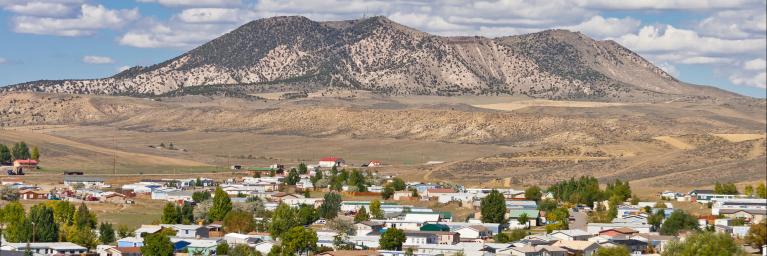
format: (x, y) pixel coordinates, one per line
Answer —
(658, 242)
(32, 195)
(738, 204)
(162, 194)
(50, 248)
(420, 237)
(402, 195)
(106, 250)
(264, 247)
(437, 192)
(532, 217)
(330, 162)
(474, 232)
(198, 246)
(634, 245)
(595, 228)
(234, 238)
(84, 181)
(571, 235)
(446, 237)
(434, 227)
(706, 195)
(422, 217)
(367, 227)
(147, 230)
(583, 248)
(635, 219)
(374, 163)
(188, 231)
(21, 165)
(537, 250)
(179, 196)
(618, 232)
(130, 241)
(750, 215)
(349, 253)
(142, 187)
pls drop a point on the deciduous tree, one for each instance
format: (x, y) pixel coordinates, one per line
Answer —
(330, 206)
(157, 245)
(678, 221)
(106, 233)
(704, 244)
(221, 205)
(493, 208)
(392, 239)
(238, 221)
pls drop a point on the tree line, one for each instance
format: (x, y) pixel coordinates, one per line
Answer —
(18, 151)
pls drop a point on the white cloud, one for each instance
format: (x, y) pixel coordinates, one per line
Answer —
(670, 69)
(92, 59)
(667, 4)
(703, 60)
(600, 27)
(215, 15)
(183, 3)
(47, 9)
(174, 35)
(87, 22)
(671, 39)
(735, 24)
(755, 64)
(430, 23)
(758, 80)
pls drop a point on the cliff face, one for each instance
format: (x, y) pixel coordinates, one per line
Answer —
(379, 55)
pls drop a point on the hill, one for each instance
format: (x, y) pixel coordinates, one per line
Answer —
(381, 56)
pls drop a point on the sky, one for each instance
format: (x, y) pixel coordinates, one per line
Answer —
(718, 43)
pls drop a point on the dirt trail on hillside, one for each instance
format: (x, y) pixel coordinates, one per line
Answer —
(675, 142)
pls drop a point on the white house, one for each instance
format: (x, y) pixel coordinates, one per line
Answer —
(595, 228)
(474, 232)
(420, 237)
(570, 235)
(738, 204)
(330, 162)
(52, 248)
(85, 181)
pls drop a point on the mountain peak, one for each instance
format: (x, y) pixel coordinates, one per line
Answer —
(380, 55)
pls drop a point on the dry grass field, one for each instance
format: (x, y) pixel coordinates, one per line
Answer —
(504, 141)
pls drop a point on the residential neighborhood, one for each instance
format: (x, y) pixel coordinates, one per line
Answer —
(336, 211)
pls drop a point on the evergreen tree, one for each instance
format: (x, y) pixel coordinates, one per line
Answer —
(187, 214)
(523, 219)
(493, 208)
(221, 205)
(388, 192)
(330, 206)
(375, 209)
(398, 184)
(106, 233)
(83, 218)
(35, 154)
(283, 218)
(761, 191)
(170, 215)
(83, 236)
(157, 245)
(302, 168)
(20, 151)
(306, 215)
(392, 239)
(199, 196)
(362, 215)
(45, 227)
(5, 154)
(293, 177)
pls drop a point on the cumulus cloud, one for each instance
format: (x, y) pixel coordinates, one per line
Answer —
(47, 9)
(90, 19)
(755, 64)
(92, 59)
(756, 80)
(667, 4)
(173, 35)
(735, 24)
(600, 27)
(668, 38)
(186, 3)
(215, 15)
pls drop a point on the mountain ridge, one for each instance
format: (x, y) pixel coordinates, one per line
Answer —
(294, 53)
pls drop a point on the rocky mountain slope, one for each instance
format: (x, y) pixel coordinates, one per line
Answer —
(379, 55)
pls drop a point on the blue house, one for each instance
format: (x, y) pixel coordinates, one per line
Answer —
(130, 242)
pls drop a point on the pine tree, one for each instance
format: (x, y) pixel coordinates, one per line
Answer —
(106, 233)
(83, 218)
(5, 154)
(221, 205)
(20, 151)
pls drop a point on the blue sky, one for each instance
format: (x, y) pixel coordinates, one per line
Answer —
(719, 43)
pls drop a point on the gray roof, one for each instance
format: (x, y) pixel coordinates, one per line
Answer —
(83, 179)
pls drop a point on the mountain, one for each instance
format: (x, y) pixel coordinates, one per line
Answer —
(379, 55)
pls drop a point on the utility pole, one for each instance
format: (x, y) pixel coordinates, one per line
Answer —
(114, 153)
